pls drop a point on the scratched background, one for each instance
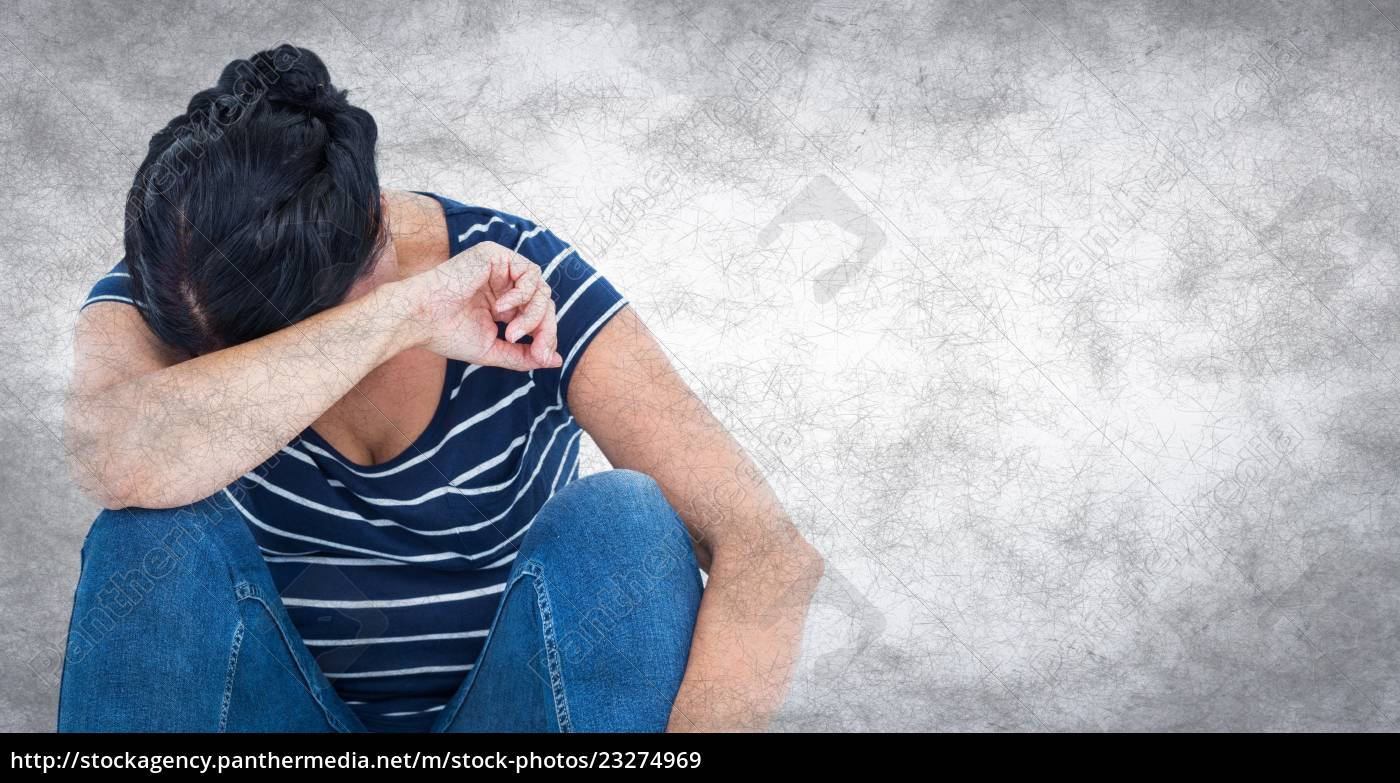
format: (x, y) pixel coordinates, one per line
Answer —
(1066, 331)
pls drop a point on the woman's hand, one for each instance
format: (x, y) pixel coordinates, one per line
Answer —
(453, 308)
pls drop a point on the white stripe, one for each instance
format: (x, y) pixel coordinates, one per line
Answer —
(110, 298)
(532, 232)
(334, 561)
(471, 473)
(574, 297)
(291, 452)
(429, 558)
(413, 712)
(478, 227)
(583, 338)
(321, 507)
(463, 382)
(393, 603)
(549, 268)
(503, 561)
(399, 672)
(427, 637)
(505, 543)
(524, 487)
(563, 460)
(453, 487)
(267, 551)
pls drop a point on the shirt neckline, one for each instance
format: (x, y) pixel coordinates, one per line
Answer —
(454, 366)
(419, 444)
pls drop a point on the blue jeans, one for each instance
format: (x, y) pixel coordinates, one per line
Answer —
(177, 626)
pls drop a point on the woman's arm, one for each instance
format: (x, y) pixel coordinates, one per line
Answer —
(145, 428)
(642, 415)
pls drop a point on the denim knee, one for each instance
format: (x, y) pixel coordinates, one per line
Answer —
(138, 563)
(623, 589)
(616, 519)
(153, 610)
(615, 506)
(176, 627)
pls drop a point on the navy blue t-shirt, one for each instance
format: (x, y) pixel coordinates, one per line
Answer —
(393, 573)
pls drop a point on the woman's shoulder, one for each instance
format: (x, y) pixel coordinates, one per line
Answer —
(469, 220)
(114, 286)
(449, 205)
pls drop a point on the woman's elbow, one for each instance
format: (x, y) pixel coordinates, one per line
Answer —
(116, 490)
(107, 486)
(102, 474)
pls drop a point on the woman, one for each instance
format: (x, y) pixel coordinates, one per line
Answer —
(336, 429)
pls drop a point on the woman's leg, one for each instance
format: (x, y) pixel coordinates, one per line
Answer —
(176, 626)
(594, 629)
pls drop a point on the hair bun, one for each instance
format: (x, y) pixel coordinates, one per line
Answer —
(287, 75)
(302, 90)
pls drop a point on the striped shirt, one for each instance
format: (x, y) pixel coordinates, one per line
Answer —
(392, 573)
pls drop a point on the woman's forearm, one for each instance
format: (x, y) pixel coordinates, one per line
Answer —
(762, 575)
(747, 638)
(176, 435)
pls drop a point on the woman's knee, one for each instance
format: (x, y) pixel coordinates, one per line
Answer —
(149, 545)
(139, 565)
(615, 514)
(615, 527)
(154, 616)
(623, 589)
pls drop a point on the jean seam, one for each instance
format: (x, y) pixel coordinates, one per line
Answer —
(229, 677)
(246, 591)
(68, 636)
(551, 647)
(535, 573)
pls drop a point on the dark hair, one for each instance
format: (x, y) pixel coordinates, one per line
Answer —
(257, 207)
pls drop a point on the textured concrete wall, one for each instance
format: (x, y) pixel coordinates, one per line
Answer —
(1067, 331)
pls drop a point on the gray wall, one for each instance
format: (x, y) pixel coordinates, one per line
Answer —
(1067, 331)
